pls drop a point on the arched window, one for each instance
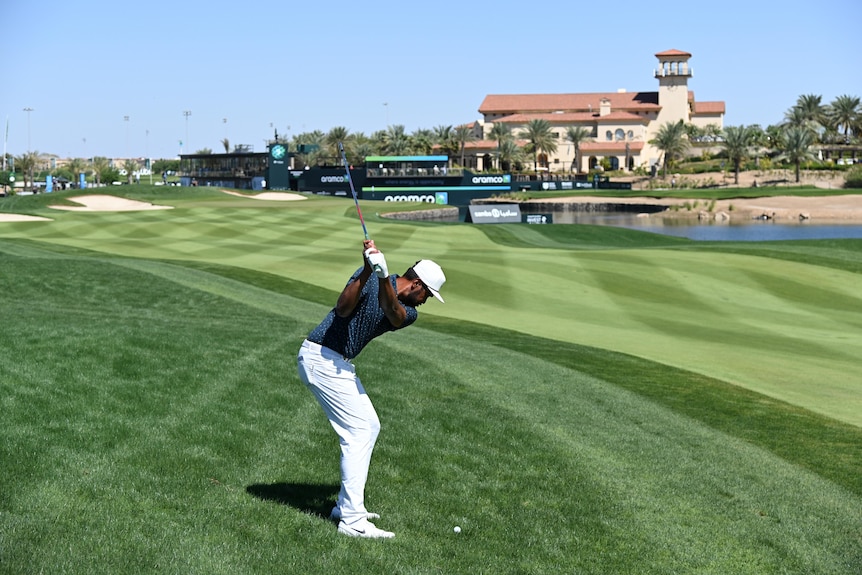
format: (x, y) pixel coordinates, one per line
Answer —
(543, 160)
(631, 135)
(619, 135)
(609, 136)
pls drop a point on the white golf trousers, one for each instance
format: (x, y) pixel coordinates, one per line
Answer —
(333, 381)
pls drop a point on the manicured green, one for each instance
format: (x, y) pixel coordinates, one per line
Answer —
(587, 401)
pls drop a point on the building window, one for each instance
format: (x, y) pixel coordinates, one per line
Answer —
(631, 135)
(619, 135)
(609, 136)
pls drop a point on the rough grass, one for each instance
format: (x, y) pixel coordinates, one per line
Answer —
(153, 420)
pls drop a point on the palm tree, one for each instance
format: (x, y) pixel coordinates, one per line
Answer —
(797, 147)
(361, 149)
(758, 142)
(808, 112)
(378, 141)
(500, 133)
(711, 132)
(226, 143)
(444, 136)
(737, 145)
(76, 166)
(672, 141)
(26, 164)
(100, 166)
(423, 141)
(812, 108)
(844, 112)
(538, 133)
(577, 135)
(130, 166)
(396, 141)
(313, 142)
(462, 135)
(775, 138)
(509, 154)
(442, 133)
(333, 137)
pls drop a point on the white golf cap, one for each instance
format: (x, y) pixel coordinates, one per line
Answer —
(431, 275)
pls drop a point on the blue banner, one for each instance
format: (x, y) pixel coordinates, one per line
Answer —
(82, 181)
(49, 184)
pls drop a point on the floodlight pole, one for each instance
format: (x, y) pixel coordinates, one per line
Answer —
(28, 110)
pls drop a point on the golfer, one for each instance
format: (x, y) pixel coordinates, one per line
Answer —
(371, 304)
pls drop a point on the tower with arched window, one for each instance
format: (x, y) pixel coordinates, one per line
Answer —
(673, 73)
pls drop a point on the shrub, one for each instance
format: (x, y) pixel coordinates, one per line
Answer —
(853, 177)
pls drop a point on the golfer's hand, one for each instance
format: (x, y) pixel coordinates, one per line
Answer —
(377, 261)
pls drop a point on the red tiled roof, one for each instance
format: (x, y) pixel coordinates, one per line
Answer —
(673, 52)
(477, 145)
(549, 103)
(709, 108)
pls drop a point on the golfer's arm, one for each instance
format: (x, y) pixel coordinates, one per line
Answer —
(349, 296)
(392, 308)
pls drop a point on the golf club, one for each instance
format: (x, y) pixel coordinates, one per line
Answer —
(352, 190)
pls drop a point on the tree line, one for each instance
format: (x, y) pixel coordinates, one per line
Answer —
(806, 124)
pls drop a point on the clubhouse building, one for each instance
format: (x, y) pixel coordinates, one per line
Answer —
(621, 123)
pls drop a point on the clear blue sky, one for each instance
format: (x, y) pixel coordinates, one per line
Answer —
(84, 66)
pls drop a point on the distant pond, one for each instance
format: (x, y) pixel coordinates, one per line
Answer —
(735, 231)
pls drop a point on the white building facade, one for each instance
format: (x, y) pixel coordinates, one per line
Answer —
(621, 123)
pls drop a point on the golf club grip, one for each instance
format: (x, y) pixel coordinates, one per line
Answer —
(352, 189)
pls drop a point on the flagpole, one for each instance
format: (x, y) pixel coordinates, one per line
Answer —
(5, 140)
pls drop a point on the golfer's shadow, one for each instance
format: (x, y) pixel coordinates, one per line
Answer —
(306, 497)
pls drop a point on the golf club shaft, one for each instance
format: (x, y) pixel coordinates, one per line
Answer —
(352, 190)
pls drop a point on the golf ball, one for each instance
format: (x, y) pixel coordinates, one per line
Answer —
(457, 529)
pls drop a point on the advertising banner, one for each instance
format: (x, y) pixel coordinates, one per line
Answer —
(278, 169)
(495, 214)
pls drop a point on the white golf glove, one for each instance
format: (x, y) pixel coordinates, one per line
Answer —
(378, 262)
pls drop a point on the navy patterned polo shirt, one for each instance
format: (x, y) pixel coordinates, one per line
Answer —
(348, 335)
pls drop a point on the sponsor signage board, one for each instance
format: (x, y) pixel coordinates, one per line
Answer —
(495, 214)
(538, 218)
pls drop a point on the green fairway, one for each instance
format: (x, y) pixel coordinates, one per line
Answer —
(588, 400)
(787, 327)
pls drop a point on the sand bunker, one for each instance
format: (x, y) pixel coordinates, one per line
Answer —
(22, 218)
(108, 204)
(276, 196)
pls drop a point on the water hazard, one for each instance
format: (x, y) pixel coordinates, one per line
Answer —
(737, 231)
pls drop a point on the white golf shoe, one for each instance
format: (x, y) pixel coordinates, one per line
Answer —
(364, 529)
